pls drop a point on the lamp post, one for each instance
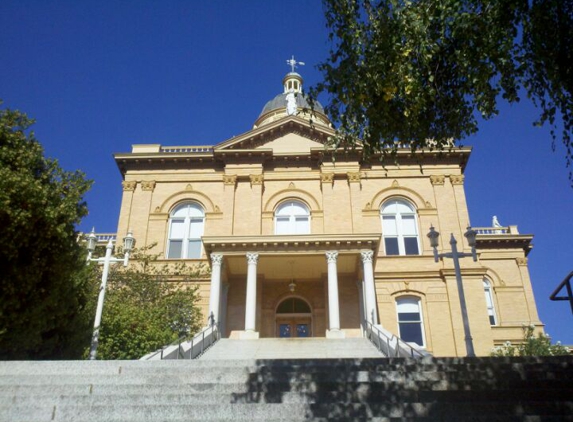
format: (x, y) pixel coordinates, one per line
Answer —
(455, 255)
(128, 242)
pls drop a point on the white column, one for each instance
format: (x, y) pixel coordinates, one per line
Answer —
(369, 289)
(333, 304)
(251, 304)
(215, 298)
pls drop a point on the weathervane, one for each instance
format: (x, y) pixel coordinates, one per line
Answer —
(293, 63)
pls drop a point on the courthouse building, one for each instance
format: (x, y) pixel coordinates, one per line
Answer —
(301, 245)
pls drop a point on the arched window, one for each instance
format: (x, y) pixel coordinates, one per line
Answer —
(292, 217)
(185, 230)
(293, 305)
(410, 323)
(489, 301)
(400, 228)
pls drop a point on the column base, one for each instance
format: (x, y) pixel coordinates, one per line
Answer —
(335, 334)
(248, 335)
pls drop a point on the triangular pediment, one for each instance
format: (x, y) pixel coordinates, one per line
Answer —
(290, 134)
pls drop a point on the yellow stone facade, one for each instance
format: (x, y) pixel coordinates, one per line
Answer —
(241, 183)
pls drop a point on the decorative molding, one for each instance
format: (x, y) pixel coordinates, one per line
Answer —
(291, 185)
(521, 261)
(395, 184)
(189, 187)
(327, 177)
(437, 297)
(457, 179)
(331, 256)
(368, 206)
(148, 185)
(217, 258)
(157, 209)
(252, 258)
(436, 179)
(230, 179)
(256, 179)
(353, 177)
(428, 205)
(128, 185)
(217, 209)
(366, 256)
(406, 285)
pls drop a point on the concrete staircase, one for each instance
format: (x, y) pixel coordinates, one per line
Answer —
(292, 348)
(373, 389)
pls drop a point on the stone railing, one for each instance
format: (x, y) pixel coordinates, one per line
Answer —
(493, 231)
(188, 149)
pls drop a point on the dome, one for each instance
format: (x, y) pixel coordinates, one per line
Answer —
(291, 102)
(280, 101)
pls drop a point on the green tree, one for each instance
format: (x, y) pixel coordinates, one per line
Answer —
(423, 71)
(43, 280)
(147, 305)
(531, 346)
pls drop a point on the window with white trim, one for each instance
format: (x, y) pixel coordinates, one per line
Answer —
(186, 224)
(410, 323)
(489, 301)
(400, 228)
(292, 217)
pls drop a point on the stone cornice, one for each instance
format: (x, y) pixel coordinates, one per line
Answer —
(343, 243)
(504, 241)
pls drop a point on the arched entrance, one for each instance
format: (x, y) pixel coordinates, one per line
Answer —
(293, 318)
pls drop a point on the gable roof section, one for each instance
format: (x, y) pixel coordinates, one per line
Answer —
(257, 138)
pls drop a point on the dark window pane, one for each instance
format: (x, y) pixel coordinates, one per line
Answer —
(293, 305)
(175, 247)
(492, 320)
(300, 306)
(302, 330)
(408, 316)
(284, 330)
(286, 307)
(411, 333)
(391, 244)
(411, 245)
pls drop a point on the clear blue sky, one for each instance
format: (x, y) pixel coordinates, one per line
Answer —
(99, 76)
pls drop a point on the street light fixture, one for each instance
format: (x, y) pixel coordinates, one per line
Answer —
(128, 243)
(470, 235)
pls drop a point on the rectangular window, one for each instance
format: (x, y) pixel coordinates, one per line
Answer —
(301, 225)
(282, 225)
(194, 249)
(175, 248)
(411, 245)
(391, 245)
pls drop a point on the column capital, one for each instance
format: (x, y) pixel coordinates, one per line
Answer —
(129, 185)
(148, 185)
(366, 256)
(252, 257)
(331, 256)
(256, 179)
(216, 258)
(437, 179)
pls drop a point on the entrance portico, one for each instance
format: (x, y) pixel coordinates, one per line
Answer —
(332, 274)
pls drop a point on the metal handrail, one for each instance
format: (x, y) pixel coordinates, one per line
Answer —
(392, 346)
(566, 283)
(188, 348)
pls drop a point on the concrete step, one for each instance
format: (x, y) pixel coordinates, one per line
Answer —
(292, 348)
(282, 411)
(289, 390)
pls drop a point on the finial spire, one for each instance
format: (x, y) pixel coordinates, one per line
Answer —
(293, 63)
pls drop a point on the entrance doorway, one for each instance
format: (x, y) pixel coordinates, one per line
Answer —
(293, 318)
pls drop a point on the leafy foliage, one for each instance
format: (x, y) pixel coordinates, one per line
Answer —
(43, 282)
(148, 305)
(422, 71)
(531, 346)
